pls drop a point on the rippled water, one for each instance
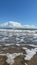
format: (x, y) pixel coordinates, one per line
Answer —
(13, 43)
(9, 37)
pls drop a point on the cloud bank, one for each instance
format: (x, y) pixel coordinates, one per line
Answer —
(16, 25)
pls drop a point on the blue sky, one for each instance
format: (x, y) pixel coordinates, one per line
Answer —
(23, 11)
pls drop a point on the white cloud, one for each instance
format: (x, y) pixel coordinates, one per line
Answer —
(11, 24)
(17, 25)
(30, 26)
(4, 24)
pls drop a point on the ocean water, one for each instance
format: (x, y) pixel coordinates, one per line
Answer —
(14, 43)
(27, 37)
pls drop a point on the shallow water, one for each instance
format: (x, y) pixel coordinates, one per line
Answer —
(24, 43)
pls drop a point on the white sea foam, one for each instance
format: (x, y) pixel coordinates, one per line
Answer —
(24, 48)
(30, 53)
(22, 40)
(7, 44)
(3, 39)
(26, 64)
(2, 54)
(17, 39)
(32, 45)
(10, 57)
(17, 44)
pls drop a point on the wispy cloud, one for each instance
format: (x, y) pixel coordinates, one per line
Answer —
(4, 24)
(30, 26)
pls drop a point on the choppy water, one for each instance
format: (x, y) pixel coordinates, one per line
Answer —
(9, 37)
(11, 42)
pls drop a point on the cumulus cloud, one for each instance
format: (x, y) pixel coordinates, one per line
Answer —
(17, 25)
(11, 24)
